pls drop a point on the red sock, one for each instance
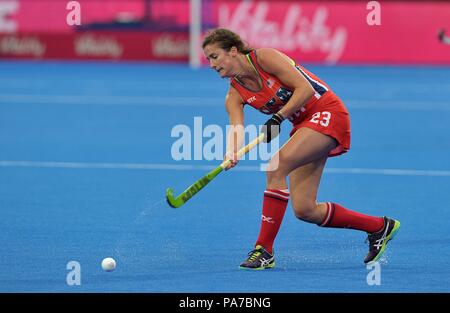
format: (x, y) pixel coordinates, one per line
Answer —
(274, 207)
(340, 217)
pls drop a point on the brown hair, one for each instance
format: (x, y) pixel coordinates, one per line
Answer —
(226, 39)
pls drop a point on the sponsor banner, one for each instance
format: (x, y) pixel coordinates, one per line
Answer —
(97, 45)
(339, 32)
(309, 31)
(46, 16)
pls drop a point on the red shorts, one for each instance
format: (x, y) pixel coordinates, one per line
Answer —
(329, 116)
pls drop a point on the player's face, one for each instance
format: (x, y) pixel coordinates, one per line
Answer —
(223, 62)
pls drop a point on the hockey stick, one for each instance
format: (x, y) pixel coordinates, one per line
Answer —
(202, 182)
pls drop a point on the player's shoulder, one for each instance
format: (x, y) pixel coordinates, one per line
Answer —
(266, 53)
(266, 56)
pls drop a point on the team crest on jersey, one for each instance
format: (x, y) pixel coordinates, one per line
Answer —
(270, 82)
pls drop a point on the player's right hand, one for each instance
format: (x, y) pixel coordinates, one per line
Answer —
(232, 156)
(271, 128)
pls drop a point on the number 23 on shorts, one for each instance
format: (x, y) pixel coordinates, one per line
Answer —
(321, 117)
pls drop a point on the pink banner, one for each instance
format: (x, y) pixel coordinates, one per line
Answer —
(309, 31)
(96, 45)
(339, 32)
(51, 15)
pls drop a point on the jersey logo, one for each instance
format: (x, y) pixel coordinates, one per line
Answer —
(270, 82)
(250, 100)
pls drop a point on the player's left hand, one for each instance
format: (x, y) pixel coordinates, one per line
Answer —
(232, 157)
(271, 128)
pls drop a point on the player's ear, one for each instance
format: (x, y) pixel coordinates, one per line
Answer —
(234, 51)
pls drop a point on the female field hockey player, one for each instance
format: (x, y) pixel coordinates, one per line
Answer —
(274, 84)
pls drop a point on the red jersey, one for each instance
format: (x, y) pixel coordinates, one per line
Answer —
(273, 94)
(323, 112)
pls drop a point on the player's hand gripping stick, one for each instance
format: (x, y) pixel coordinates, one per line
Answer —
(202, 182)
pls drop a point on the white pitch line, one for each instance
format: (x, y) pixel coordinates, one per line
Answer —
(158, 101)
(107, 100)
(186, 167)
(385, 171)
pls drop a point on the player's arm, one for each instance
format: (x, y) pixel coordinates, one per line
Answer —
(278, 64)
(235, 137)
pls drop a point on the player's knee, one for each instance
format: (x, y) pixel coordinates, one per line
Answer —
(305, 210)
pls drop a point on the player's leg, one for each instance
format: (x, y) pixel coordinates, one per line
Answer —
(304, 183)
(304, 157)
(305, 146)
